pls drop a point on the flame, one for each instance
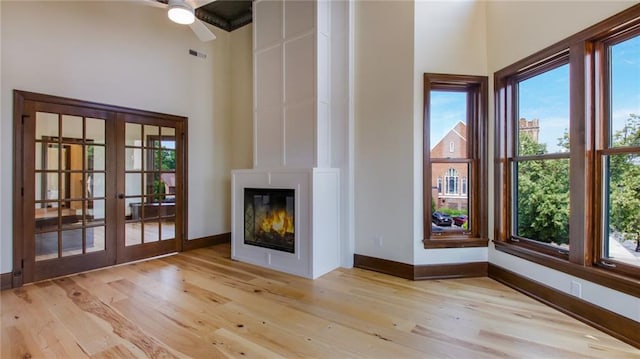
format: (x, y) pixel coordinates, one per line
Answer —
(279, 222)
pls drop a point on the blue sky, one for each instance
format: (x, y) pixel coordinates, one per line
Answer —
(447, 109)
(546, 97)
(625, 81)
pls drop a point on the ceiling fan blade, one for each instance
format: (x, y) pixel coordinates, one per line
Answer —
(202, 31)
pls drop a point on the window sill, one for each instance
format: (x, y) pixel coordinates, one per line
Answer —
(596, 275)
(454, 243)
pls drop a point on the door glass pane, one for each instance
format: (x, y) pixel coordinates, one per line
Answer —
(46, 245)
(46, 216)
(72, 242)
(450, 197)
(95, 130)
(133, 134)
(95, 211)
(150, 210)
(168, 229)
(133, 159)
(152, 160)
(46, 125)
(168, 131)
(96, 186)
(96, 158)
(448, 124)
(51, 158)
(542, 201)
(133, 208)
(152, 136)
(69, 219)
(133, 184)
(48, 185)
(95, 239)
(151, 231)
(133, 233)
(71, 127)
(543, 113)
(168, 159)
(155, 188)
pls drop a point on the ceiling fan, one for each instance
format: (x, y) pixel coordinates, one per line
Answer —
(183, 12)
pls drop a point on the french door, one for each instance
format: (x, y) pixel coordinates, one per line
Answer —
(95, 185)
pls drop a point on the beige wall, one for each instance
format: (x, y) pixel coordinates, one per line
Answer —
(516, 30)
(384, 129)
(450, 38)
(130, 55)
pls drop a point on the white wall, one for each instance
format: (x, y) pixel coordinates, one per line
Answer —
(516, 30)
(450, 38)
(342, 139)
(384, 50)
(129, 55)
(5, 243)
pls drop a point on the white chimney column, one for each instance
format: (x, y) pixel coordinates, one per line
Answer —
(292, 134)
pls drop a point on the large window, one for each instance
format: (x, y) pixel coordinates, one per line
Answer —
(567, 186)
(455, 201)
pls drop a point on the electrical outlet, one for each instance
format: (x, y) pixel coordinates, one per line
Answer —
(378, 240)
(576, 289)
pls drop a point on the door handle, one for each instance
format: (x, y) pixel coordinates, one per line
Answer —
(120, 196)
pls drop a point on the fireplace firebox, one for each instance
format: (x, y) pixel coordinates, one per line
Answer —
(269, 218)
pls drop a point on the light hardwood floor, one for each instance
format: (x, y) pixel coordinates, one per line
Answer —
(201, 304)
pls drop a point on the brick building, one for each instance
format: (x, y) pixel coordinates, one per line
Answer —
(450, 181)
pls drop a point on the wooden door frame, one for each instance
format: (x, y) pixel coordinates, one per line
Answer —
(21, 211)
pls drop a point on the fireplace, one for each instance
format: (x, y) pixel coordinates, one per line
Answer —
(286, 219)
(269, 215)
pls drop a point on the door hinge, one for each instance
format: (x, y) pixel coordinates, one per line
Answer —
(22, 191)
(22, 263)
(23, 117)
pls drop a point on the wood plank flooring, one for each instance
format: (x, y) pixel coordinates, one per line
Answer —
(200, 304)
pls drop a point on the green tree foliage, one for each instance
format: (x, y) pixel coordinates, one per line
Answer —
(543, 194)
(624, 182)
(167, 159)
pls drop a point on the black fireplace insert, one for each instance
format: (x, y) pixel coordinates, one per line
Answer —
(269, 218)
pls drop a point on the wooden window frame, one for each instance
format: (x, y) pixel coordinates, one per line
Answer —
(587, 103)
(477, 178)
(514, 158)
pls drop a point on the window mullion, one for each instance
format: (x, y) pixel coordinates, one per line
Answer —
(580, 198)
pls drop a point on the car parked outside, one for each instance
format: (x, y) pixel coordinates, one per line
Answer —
(460, 220)
(441, 219)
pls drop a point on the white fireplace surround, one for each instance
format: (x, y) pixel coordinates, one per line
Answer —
(317, 220)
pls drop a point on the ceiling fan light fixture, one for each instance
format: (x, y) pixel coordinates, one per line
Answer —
(181, 13)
